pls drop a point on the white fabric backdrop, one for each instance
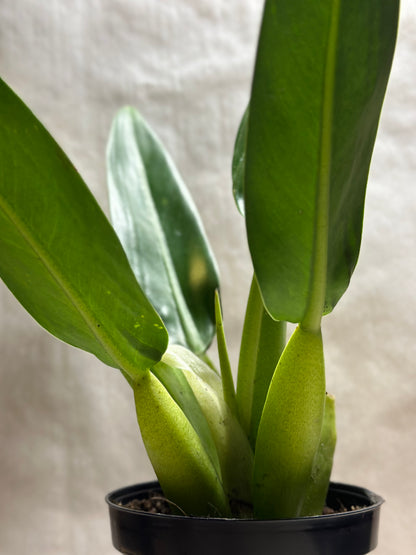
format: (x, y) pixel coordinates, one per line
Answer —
(67, 424)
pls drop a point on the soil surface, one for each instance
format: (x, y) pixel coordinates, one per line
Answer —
(156, 503)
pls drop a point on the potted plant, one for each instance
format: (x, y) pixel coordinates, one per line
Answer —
(146, 300)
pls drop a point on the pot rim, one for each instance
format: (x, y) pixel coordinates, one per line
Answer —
(371, 499)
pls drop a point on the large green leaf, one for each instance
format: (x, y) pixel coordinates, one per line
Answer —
(160, 229)
(60, 256)
(319, 82)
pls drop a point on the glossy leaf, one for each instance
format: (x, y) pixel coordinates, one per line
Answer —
(59, 254)
(262, 343)
(239, 162)
(319, 82)
(290, 428)
(161, 232)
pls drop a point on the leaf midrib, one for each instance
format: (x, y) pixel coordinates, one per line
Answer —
(186, 321)
(317, 290)
(74, 299)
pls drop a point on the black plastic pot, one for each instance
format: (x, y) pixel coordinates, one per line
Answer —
(350, 533)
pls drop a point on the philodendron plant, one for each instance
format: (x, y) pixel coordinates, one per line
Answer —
(143, 296)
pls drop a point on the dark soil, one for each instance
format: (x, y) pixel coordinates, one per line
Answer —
(156, 503)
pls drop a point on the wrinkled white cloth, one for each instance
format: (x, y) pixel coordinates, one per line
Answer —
(68, 432)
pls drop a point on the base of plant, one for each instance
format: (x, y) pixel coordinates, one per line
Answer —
(346, 530)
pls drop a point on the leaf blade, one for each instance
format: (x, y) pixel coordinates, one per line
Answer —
(299, 130)
(60, 256)
(160, 229)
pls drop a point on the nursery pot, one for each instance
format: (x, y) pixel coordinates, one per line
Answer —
(342, 533)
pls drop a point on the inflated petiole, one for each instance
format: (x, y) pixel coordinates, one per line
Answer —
(290, 428)
(182, 463)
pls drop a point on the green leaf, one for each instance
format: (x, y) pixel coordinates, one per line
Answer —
(59, 255)
(161, 232)
(319, 82)
(239, 161)
(183, 467)
(262, 344)
(318, 484)
(290, 428)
